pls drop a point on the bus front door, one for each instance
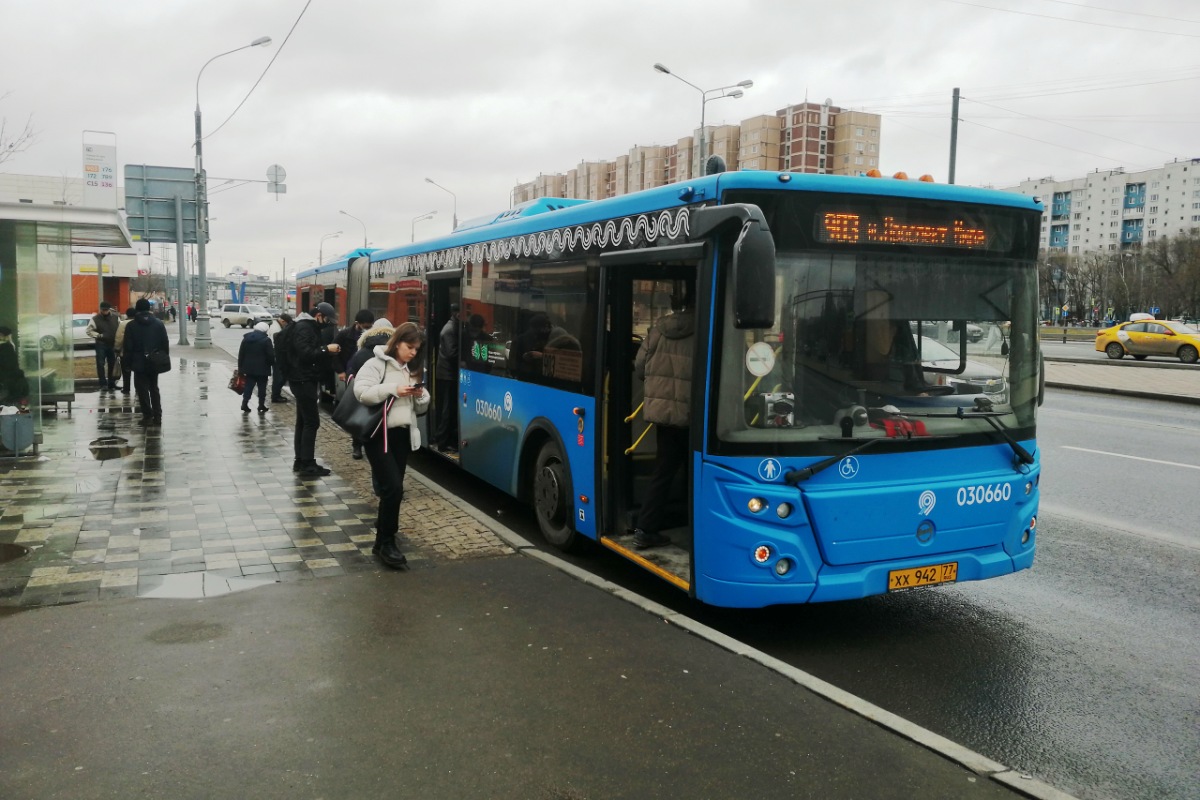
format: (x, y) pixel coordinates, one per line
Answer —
(639, 298)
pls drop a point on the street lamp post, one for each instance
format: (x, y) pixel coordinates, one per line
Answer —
(427, 215)
(454, 222)
(716, 94)
(203, 339)
(321, 248)
(360, 222)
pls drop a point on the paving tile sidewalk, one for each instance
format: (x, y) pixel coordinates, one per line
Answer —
(111, 509)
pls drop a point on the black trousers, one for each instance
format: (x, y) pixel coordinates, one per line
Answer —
(447, 412)
(146, 384)
(106, 364)
(308, 419)
(387, 473)
(278, 379)
(251, 381)
(669, 460)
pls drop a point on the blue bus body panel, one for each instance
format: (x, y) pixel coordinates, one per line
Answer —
(335, 266)
(497, 416)
(849, 527)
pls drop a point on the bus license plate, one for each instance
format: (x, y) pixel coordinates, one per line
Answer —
(901, 579)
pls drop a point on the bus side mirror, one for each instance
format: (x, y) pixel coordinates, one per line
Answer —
(752, 277)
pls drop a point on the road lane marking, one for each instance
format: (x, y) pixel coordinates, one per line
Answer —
(1135, 458)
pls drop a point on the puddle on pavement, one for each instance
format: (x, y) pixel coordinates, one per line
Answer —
(190, 585)
(11, 552)
(107, 448)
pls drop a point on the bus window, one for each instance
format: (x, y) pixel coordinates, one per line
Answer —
(542, 324)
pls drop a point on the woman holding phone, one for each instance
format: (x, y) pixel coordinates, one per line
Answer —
(394, 376)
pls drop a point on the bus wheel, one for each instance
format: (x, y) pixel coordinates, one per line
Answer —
(552, 497)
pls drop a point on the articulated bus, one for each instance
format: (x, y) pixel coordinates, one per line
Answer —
(853, 431)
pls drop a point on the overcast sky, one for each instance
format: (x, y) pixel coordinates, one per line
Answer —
(367, 98)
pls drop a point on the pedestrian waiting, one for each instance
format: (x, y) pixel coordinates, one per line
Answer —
(256, 356)
(393, 376)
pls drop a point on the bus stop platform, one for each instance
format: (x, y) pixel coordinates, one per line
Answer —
(132, 665)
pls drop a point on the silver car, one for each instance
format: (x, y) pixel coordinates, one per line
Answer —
(976, 378)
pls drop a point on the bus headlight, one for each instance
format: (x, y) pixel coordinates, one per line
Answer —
(762, 554)
(756, 504)
(783, 566)
(784, 510)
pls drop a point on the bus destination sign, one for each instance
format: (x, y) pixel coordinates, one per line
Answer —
(851, 227)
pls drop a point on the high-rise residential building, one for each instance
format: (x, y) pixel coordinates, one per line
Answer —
(1114, 210)
(805, 137)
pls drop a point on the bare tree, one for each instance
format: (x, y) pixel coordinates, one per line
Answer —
(12, 143)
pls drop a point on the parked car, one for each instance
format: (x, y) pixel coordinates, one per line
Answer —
(244, 314)
(976, 378)
(1150, 337)
(50, 332)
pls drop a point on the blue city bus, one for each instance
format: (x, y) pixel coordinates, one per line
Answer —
(866, 376)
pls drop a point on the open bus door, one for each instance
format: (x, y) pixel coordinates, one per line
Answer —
(445, 290)
(638, 295)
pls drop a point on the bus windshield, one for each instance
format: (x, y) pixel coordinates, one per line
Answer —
(895, 340)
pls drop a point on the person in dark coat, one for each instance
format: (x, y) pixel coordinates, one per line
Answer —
(445, 376)
(329, 331)
(310, 366)
(280, 371)
(255, 359)
(144, 335)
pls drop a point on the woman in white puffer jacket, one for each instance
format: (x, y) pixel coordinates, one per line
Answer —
(396, 376)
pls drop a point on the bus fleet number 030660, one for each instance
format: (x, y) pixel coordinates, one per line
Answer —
(973, 495)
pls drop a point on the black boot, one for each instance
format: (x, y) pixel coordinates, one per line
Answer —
(245, 408)
(356, 451)
(389, 554)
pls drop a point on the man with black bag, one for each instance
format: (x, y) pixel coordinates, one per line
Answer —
(310, 366)
(147, 351)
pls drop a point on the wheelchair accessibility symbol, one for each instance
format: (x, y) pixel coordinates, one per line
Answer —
(769, 469)
(848, 467)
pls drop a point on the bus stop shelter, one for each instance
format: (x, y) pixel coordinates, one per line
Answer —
(36, 243)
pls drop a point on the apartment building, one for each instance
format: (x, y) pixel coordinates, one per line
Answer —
(1114, 210)
(805, 137)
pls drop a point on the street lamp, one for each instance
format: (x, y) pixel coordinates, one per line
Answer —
(716, 94)
(203, 339)
(428, 215)
(454, 222)
(360, 222)
(321, 248)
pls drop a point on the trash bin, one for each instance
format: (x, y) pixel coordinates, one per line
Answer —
(16, 432)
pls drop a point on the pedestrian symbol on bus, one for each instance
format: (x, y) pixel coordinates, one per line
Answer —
(769, 469)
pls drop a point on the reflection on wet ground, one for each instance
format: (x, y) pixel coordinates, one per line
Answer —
(11, 552)
(108, 447)
(204, 504)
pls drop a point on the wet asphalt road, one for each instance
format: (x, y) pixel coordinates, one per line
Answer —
(1084, 671)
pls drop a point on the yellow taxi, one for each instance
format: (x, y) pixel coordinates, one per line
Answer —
(1150, 337)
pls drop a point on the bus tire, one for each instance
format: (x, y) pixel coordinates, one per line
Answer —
(552, 497)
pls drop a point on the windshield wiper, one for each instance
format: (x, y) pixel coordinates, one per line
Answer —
(795, 476)
(983, 411)
(1023, 455)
